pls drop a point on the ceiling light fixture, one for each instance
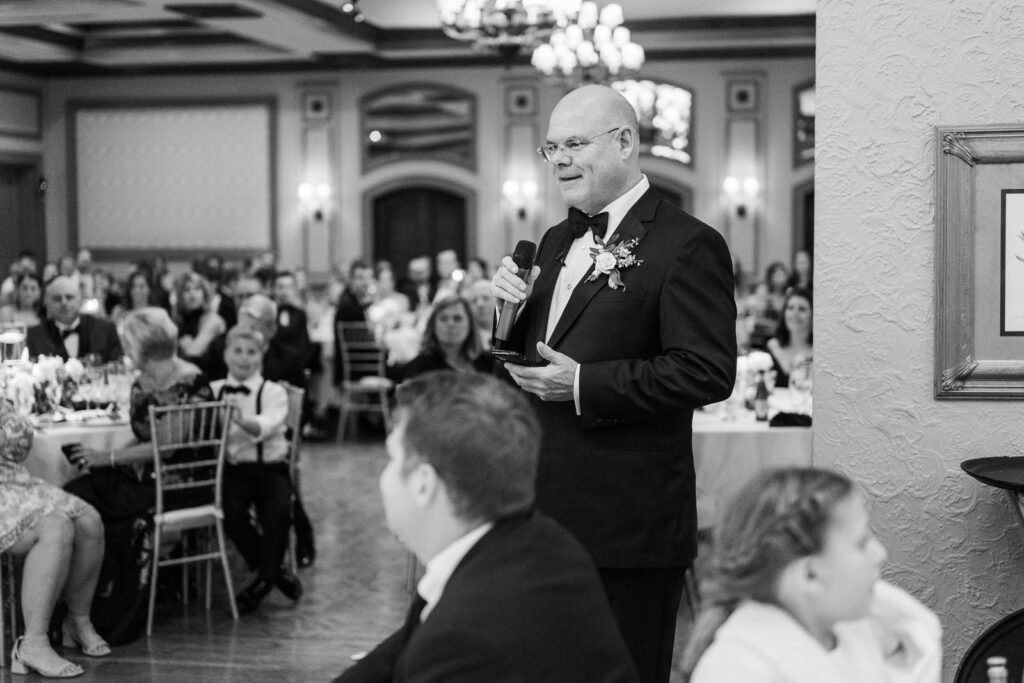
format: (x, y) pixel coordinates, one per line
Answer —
(506, 26)
(592, 47)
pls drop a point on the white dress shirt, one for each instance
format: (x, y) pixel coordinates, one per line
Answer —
(440, 567)
(578, 262)
(71, 342)
(274, 411)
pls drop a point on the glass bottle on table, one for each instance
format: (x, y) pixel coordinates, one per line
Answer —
(761, 398)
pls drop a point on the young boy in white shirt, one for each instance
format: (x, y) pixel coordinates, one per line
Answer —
(256, 472)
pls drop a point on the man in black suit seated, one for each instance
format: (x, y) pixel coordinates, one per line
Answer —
(419, 284)
(352, 305)
(68, 333)
(508, 595)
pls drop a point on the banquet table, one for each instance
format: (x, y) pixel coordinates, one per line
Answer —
(727, 453)
(46, 460)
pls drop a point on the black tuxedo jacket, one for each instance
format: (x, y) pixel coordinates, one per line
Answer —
(620, 475)
(95, 335)
(525, 604)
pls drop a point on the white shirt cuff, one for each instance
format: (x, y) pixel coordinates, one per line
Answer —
(576, 389)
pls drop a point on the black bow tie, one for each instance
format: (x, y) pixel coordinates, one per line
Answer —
(580, 222)
(68, 332)
(237, 389)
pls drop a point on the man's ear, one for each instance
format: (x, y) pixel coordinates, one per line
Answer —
(627, 141)
(424, 483)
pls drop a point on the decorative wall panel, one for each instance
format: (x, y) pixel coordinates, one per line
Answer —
(172, 177)
(881, 90)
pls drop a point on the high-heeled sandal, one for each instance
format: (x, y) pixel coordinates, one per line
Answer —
(21, 667)
(72, 638)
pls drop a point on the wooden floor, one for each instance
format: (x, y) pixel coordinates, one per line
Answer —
(355, 595)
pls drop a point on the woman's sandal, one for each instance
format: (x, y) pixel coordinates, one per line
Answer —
(20, 666)
(93, 647)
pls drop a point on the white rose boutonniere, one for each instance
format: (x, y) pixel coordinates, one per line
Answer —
(610, 259)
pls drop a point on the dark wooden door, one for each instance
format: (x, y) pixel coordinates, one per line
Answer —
(417, 221)
(22, 224)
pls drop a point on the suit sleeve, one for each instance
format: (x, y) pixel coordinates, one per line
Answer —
(697, 323)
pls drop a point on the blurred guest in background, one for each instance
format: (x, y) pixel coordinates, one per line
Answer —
(288, 352)
(476, 269)
(418, 284)
(481, 302)
(198, 325)
(803, 271)
(450, 341)
(796, 597)
(50, 271)
(764, 306)
(351, 307)
(449, 274)
(25, 263)
(27, 303)
(66, 332)
(793, 342)
(139, 294)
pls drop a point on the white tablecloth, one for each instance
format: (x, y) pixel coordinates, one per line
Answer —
(727, 454)
(47, 461)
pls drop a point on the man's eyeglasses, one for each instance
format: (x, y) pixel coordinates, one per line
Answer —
(569, 145)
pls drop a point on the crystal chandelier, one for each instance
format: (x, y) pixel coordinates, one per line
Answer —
(505, 25)
(589, 47)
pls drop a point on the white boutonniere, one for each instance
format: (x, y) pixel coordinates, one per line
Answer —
(609, 259)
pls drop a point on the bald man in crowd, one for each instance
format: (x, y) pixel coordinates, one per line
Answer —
(68, 333)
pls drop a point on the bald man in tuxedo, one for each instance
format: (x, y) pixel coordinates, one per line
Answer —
(68, 333)
(632, 343)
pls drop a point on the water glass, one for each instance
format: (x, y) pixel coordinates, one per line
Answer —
(12, 341)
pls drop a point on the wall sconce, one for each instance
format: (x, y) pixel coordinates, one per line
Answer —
(314, 199)
(519, 194)
(741, 194)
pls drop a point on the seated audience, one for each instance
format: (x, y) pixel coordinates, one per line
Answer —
(139, 294)
(198, 325)
(26, 263)
(27, 303)
(50, 271)
(68, 333)
(418, 284)
(764, 306)
(803, 271)
(450, 341)
(256, 472)
(61, 538)
(352, 305)
(796, 597)
(508, 594)
(476, 269)
(449, 274)
(481, 301)
(793, 342)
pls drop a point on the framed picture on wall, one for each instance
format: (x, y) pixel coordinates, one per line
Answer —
(521, 100)
(803, 124)
(742, 96)
(979, 262)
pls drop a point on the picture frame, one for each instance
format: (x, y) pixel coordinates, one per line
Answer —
(803, 123)
(977, 169)
(521, 100)
(741, 96)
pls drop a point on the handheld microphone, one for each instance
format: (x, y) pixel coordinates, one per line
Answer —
(523, 256)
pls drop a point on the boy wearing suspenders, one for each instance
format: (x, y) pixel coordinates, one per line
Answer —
(256, 473)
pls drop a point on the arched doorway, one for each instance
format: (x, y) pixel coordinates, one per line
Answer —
(414, 220)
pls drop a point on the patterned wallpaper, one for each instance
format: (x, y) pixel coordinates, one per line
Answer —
(888, 72)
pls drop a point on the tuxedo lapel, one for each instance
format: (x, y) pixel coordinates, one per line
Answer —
(56, 339)
(629, 228)
(85, 332)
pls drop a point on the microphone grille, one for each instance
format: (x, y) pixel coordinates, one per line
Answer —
(524, 253)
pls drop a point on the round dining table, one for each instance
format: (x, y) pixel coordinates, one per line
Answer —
(46, 460)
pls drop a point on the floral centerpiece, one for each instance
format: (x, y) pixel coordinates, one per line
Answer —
(42, 387)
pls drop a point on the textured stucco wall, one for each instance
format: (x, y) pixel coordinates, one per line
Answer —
(888, 71)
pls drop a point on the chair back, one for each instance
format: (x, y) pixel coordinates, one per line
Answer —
(296, 397)
(361, 354)
(189, 443)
